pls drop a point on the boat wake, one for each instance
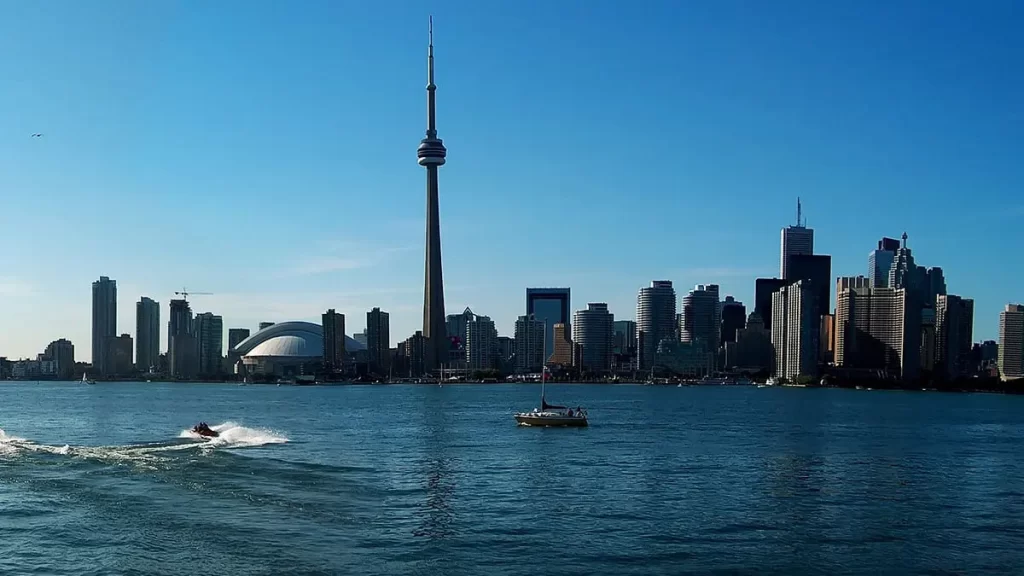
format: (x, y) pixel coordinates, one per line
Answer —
(231, 435)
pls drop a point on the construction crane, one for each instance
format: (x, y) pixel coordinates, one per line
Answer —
(185, 293)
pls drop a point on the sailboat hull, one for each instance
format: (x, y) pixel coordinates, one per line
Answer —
(550, 419)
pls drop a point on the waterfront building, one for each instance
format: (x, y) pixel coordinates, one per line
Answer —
(120, 350)
(763, 290)
(287, 349)
(563, 353)
(529, 342)
(209, 332)
(236, 335)
(795, 324)
(593, 331)
(182, 349)
(506, 350)
(412, 349)
(104, 322)
(655, 319)
(878, 329)
(334, 340)
(378, 340)
(551, 306)
(927, 353)
(481, 343)
(734, 317)
(1011, 342)
(702, 317)
(147, 334)
(880, 262)
(686, 359)
(625, 337)
(753, 350)
(62, 353)
(815, 269)
(796, 240)
(954, 335)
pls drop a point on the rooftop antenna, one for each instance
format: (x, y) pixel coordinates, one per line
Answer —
(798, 211)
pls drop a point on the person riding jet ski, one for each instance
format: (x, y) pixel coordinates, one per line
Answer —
(203, 430)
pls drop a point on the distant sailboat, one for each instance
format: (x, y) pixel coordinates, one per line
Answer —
(549, 414)
(86, 380)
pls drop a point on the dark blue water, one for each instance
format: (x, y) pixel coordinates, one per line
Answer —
(428, 480)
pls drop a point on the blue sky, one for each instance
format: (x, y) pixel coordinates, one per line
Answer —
(265, 151)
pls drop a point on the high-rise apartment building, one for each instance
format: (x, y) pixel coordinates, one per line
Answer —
(593, 331)
(236, 336)
(880, 262)
(1011, 342)
(413, 349)
(120, 351)
(481, 343)
(878, 329)
(455, 325)
(551, 306)
(378, 339)
(701, 321)
(734, 317)
(655, 319)
(817, 270)
(954, 334)
(529, 344)
(334, 340)
(182, 349)
(927, 349)
(753, 348)
(209, 332)
(62, 353)
(796, 240)
(104, 322)
(795, 324)
(147, 334)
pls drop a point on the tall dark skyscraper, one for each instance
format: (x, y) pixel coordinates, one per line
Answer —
(334, 339)
(378, 339)
(147, 334)
(104, 322)
(182, 350)
(431, 154)
(815, 270)
(236, 336)
(551, 306)
(763, 290)
(734, 317)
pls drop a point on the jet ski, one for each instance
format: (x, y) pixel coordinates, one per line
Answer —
(203, 430)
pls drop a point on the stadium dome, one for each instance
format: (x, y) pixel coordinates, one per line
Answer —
(286, 348)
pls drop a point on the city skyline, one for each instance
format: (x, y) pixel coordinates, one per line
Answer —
(495, 243)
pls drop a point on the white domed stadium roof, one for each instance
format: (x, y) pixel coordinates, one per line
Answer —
(289, 340)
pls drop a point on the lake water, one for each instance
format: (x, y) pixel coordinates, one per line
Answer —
(428, 480)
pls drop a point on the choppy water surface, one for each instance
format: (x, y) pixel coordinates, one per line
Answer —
(424, 480)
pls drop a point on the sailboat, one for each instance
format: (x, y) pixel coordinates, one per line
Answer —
(86, 380)
(549, 414)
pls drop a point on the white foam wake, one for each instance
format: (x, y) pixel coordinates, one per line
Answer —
(233, 435)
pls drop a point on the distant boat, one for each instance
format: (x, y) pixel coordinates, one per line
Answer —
(85, 380)
(549, 414)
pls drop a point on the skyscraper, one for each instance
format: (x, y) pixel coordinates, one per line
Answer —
(655, 319)
(702, 317)
(236, 336)
(625, 337)
(878, 329)
(593, 330)
(265, 325)
(954, 334)
(431, 154)
(209, 333)
(120, 350)
(147, 334)
(378, 339)
(104, 322)
(481, 343)
(1011, 342)
(551, 306)
(334, 340)
(182, 351)
(797, 239)
(880, 262)
(763, 290)
(562, 355)
(795, 324)
(529, 344)
(734, 317)
(62, 353)
(815, 269)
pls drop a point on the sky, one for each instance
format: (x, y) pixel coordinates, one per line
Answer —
(265, 151)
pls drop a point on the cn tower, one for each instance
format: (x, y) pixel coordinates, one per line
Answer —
(431, 154)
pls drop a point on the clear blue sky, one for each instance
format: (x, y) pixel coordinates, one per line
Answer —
(265, 151)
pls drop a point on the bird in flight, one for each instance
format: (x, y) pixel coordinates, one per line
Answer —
(37, 135)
